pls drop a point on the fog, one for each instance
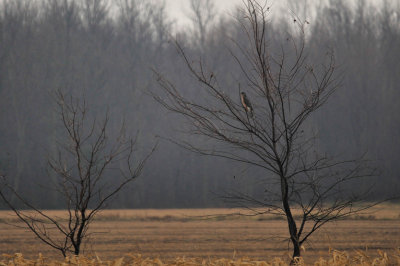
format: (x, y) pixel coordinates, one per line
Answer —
(80, 47)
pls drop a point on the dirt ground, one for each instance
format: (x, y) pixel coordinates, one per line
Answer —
(172, 233)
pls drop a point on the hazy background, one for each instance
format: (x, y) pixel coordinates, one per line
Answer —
(108, 52)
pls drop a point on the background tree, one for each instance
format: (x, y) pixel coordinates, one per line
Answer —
(202, 17)
(269, 126)
(85, 157)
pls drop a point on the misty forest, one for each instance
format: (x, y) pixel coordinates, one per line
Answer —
(110, 55)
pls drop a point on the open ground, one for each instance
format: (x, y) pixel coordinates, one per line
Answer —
(168, 234)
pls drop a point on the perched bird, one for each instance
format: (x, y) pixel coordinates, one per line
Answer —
(246, 103)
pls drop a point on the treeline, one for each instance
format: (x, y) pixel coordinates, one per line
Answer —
(108, 52)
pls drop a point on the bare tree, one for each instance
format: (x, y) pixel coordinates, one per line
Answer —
(91, 169)
(18, 21)
(202, 16)
(266, 123)
(95, 13)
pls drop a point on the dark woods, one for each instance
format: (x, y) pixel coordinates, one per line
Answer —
(106, 53)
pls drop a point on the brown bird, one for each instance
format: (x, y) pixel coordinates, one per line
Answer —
(246, 103)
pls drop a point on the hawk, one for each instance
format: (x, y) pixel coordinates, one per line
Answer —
(246, 103)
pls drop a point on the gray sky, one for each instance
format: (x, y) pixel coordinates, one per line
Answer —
(179, 9)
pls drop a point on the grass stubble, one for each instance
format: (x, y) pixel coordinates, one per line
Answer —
(211, 237)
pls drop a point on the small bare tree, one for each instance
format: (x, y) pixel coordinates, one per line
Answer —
(266, 124)
(83, 163)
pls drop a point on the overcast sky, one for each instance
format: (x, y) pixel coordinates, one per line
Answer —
(180, 9)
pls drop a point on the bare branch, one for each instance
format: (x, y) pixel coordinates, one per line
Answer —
(283, 90)
(82, 165)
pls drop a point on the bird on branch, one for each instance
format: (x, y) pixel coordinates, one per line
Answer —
(246, 103)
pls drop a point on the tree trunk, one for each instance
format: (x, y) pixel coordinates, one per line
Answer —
(296, 250)
(289, 217)
(77, 250)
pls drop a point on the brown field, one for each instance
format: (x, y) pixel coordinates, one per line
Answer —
(168, 234)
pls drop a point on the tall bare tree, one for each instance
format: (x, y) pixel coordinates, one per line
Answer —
(203, 13)
(91, 169)
(265, 122)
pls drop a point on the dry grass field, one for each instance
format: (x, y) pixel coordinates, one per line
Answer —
(203, 233)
